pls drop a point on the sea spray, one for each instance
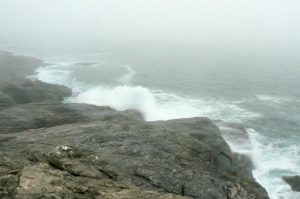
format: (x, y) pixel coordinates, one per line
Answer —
(127, 78)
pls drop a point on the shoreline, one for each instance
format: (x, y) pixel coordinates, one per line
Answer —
(180, 158)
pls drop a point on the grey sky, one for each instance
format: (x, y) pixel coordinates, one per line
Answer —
(238, 24)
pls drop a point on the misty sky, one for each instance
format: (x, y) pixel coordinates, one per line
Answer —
(236, 25)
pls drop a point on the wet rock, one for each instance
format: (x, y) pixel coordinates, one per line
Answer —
(293, 181)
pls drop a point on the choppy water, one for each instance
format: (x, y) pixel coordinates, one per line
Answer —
(265, 101)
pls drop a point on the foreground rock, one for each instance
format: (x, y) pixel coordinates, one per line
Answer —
(104, 154)
(293, 181)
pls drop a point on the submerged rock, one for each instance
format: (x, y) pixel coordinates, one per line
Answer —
(293, 181)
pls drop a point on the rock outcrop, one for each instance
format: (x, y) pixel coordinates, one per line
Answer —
(26, 91)
(15, 67)
(293, 181)
(102, 149)
(53, 150)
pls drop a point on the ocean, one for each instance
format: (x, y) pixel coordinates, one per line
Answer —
(265, 99)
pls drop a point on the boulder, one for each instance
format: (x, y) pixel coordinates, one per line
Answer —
(293, 181)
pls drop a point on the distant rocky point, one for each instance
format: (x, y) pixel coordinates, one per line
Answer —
(14, 67)
(50, 149)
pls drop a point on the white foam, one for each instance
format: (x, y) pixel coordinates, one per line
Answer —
(269, 163)
(56, 74)
(272, 99)
(53, 75)
(159, 105)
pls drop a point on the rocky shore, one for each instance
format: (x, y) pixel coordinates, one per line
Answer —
(50, 149)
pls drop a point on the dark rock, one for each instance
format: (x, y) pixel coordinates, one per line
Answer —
(8, 185)
(293, 181)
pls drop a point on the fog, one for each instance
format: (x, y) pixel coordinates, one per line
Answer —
(234, 28)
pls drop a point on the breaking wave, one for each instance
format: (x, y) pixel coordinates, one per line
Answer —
(160, 105)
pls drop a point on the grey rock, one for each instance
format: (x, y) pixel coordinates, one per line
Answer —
(242, 166)
(15, 67)
(179, 157)
(23, 117)
(236, 134)
(27, 91)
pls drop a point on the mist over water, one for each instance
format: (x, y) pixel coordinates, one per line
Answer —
(232, 60)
